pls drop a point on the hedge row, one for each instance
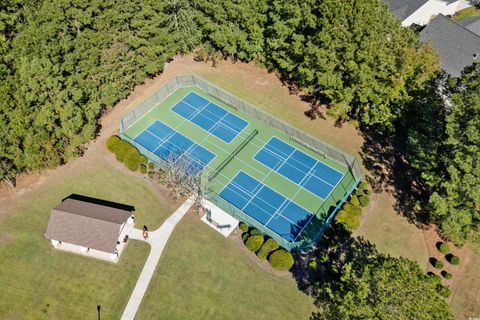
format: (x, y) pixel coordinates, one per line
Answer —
(351, 211)
(127, 154)
(254, 240)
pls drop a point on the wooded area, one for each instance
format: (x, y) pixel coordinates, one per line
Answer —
(64, 62)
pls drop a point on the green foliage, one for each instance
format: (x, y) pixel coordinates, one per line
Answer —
(126, 153)
(281, 260)
(362, 186)
(365, 68)
(269, 246)
(454, 260)
(446, 275)
(372, 286)
(349, 216)
(255, 231)
(243, 226)
(444, 147)
(364, 201)
(444, 248)
(437, 264)
(313, 264)
(443, 291)
(323, 257)
(245, 236)
(254, 242)
(354, 200)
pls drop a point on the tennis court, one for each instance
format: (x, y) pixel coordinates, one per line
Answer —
(259, 170)
(268, 207)
(210, 117)
(299, 167)
(173, 146)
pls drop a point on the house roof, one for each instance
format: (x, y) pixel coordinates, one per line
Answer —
(456, 45)
(402, 9)
(86, 224)
(472, 24)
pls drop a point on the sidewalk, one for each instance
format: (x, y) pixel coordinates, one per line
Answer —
(157, 240)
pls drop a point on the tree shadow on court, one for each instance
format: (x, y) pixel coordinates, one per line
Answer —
(384, 156)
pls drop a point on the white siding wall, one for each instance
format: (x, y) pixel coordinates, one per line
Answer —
(432, 8)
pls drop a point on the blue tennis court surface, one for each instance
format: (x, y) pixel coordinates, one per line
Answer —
(209, 116)
(173, 146)
(281, 215)
(299, 167)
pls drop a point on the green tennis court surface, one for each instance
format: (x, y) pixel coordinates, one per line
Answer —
(258, 173)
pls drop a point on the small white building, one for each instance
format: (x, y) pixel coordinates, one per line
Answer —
(420, 12)
(88, 228)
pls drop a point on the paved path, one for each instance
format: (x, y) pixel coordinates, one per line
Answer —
(157, 240)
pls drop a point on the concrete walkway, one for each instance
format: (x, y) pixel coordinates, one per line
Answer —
(157, 240)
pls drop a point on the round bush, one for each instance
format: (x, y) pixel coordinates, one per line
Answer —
(243, 227)
(323, 257)
(446, 275)
(143, 168)
(354, 210)
(354, 201)
(350, 220)
(281, 260)
(313, 264)
(359, 192)
(269, 246)
(454, 260)
(254, 242)
(362, 186)
(364, 201)
(255, 232)
(436, 278)
(438, 264)
(245, 236)
(444, 248)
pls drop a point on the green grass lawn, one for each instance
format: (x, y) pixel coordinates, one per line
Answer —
(202, 275)
(38, 282)
(468, 12)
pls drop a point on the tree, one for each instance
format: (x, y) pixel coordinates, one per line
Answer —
(364, 284)
(353, 55)
(455, 202)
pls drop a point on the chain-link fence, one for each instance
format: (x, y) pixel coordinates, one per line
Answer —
(235, 102)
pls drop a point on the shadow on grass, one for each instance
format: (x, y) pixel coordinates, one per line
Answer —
(384, 156)
(101, 202)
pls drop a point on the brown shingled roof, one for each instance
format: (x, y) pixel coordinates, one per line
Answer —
(86, 224)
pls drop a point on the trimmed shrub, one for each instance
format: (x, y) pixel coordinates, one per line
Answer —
(245, 236)
(364, 201)
(143, 168)
(362, 186)
(143, 160)
(454, 260)
(255, 232)
(354, 201)
(359, 192)
(112, 143)
(435, 278)
(151, 166)
(243, 227)
(269, 246)
(442, 290)
(438, 264)
(354, 210)
(254, 242)
(444, 248)
(446, 275)
(350, 220)
(313, 264)
(281, 260)
(151, 174)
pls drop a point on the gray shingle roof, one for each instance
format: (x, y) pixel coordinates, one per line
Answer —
(472, 24)
(402, 9)
(455, 44)
(86, 224)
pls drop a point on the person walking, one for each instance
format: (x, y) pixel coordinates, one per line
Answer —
(145, 232)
